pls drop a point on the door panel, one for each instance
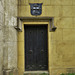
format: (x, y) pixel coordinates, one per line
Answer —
(36, 55)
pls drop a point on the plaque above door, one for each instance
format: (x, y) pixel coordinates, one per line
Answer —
(36, 8)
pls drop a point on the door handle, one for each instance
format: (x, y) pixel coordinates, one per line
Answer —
(42, 51)
(30, 51)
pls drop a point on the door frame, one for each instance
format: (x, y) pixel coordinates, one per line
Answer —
(21, 44)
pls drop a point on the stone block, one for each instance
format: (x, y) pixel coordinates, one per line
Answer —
(68, 60)
(1, 73)
(73, 2)
(5, 56)
(20, 71)
(15, 71)
(1, 53)
(6, 6)
(20, 48)
(6, 19)
(57, 35)
(74, 11)
(2, 2)
(49, 11)
(1, 34)
(7, 72)
(74, 22)
(56, 2)
(67, 11)
(64, 22)
(2, 18)
(9, 32)
(71, 70)
(13, 2)
(10, 72)
(44, 11)
(10, 20)
(36, 1)
(10, 3)
(26, 2)
(12, 54)
(46, 2)
(52, 52)
(68, 34)
(6, 31)
(57, 22)
(12, 10)
(31, 1)
(24, 11)
(67, 23)
(21, 62)
(36, 73)
(67, 2)
(1, 57)
(74, 48)
(64, 47)
(1, 7)
(58, 11)
(21, 36)
(63, 56)
(57, 71)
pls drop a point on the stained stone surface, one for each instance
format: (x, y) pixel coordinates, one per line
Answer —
(1, 57)
(8, 35)
(12, 54)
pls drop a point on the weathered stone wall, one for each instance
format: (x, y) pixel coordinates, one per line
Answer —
(1, 34)
(62, 48)
(8, 35)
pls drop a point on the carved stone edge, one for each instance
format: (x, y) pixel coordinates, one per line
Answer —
(20, 20)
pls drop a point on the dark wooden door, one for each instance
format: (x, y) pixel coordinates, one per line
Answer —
(36, 48)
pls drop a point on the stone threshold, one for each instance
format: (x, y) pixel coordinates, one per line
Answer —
(36, 73)
(27, 72)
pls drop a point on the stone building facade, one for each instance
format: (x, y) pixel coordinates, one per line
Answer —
(61, 43)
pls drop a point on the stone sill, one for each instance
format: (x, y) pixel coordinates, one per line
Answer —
(27, 72)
